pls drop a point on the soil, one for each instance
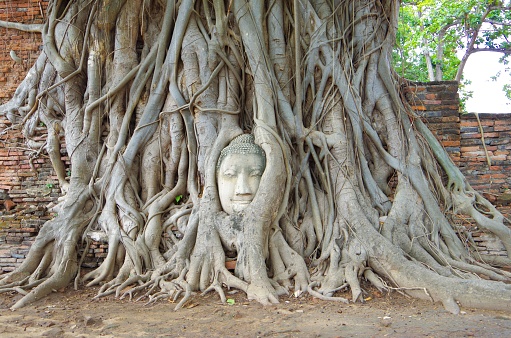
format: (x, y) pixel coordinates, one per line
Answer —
(75, 314)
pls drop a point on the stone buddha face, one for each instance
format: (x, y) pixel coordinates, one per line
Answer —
(239, 170)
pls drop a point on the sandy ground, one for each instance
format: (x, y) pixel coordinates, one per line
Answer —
(74, 314)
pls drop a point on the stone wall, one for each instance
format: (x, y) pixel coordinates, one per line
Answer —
(28, 186)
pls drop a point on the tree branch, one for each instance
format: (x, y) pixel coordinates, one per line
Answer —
(495, 50)
(470, 45)
(32, 28)
(498, 23)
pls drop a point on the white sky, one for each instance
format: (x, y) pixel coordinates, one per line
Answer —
(488, 96)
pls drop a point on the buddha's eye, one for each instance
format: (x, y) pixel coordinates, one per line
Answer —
(256, 172)
(229, 173)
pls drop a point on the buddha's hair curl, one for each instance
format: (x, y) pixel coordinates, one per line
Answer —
(243, 144)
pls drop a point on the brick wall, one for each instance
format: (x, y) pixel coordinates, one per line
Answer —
(19, 219)
(25, 45)
(28, 182)
(438, 103)
(486, 167)
(27, 187)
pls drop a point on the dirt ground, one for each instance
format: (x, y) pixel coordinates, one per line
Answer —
(74, 314)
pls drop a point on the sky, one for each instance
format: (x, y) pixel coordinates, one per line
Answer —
(488, 96)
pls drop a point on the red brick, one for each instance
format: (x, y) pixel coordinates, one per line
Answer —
(472, 123)
(502, 127)
(450, 143)
(421, 108)
(432, 102)
(491, 135)
(450, 119)
(470, 149)
(498, 158)
(493, 176)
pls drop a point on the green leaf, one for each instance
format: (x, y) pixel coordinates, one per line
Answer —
(179, 198)
(231, 301)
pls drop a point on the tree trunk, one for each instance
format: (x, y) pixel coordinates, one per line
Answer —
(149, 97)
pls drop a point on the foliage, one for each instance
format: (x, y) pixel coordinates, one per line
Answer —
(407, 56)
(432, 33)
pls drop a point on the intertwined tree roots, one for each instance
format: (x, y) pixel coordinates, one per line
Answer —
(147, 94)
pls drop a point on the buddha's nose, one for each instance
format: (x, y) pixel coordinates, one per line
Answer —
(242, 186)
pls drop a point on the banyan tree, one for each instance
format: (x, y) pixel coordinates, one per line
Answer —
(273, 134)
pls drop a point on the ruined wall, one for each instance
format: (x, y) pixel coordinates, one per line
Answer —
(487, 167)
(20, 214)
(28, 185)
(25, 46)
(27, 189)
(479, 144)
(438, 103)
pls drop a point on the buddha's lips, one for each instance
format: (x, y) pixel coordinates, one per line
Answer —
(241, 201)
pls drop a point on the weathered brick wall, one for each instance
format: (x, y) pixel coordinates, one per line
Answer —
(29, 183)
(27, 187)
(26, 46)
(438, 103)
(486, 167)
(21, 216)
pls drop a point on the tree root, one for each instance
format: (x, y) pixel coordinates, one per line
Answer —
(312, 292)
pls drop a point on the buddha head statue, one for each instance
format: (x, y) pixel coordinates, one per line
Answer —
(239, 169)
